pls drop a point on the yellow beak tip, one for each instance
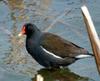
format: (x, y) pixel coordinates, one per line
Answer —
(20, 34)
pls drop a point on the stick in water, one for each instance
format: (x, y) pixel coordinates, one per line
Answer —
(94, 39)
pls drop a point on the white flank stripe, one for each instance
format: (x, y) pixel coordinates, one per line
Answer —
(83, 56)
(50, 53)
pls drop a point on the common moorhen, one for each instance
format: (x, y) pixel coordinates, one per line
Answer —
(51, 50)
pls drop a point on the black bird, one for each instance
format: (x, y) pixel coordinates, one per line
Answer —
(50, 50)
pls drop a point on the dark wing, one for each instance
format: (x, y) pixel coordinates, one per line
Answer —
(59, 46)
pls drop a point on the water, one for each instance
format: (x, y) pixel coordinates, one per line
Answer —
(51, 16)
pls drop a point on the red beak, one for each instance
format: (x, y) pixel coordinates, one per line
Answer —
(23, 31)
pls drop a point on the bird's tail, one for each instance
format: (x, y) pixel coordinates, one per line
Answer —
(85, 54)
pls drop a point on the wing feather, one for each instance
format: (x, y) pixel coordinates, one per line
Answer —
(60, 46)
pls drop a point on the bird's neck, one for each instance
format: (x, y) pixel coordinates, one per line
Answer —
(32, 42)
(33, 38)
(33, 34)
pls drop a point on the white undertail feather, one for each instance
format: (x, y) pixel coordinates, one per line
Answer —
(83, 56)
(50, 53)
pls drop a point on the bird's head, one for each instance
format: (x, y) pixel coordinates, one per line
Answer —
(28, 29)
